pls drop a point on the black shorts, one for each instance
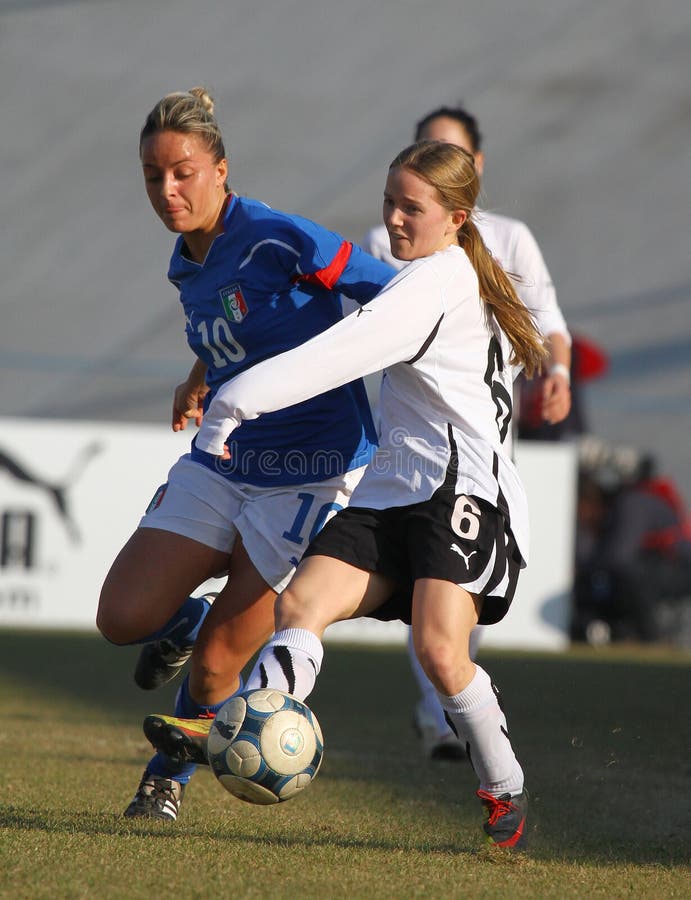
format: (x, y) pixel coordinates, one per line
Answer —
(460, 539)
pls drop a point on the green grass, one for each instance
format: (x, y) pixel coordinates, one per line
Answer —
(603, 737)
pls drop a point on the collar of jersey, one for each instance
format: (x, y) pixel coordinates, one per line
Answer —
(185, 261)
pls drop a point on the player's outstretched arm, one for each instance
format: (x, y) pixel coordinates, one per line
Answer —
(388, 330)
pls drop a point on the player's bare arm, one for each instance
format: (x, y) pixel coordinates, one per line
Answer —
(556, 393)
(188, 399)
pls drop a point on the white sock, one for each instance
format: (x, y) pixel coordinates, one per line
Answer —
(481, 726)
(474, 642)
(290, 662)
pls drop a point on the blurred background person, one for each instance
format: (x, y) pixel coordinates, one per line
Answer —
(588, 362)
(633, 549)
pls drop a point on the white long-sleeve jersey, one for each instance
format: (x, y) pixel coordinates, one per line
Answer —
(446, 390)
(513, 245)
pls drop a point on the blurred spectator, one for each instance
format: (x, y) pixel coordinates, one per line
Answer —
(588, 362)
(633, 548)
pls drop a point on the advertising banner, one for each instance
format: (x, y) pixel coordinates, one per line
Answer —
(71, 493)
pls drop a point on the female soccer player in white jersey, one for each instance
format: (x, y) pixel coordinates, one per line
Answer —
(253, 282)
(440, 508)
(511, 242)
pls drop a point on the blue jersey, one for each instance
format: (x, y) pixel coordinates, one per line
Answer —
(269, 282)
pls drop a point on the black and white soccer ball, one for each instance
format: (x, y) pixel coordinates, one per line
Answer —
(265, 746)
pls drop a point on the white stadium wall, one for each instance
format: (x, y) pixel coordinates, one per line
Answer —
(72, 492)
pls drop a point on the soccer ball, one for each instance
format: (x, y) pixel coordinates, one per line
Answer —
(265, 746)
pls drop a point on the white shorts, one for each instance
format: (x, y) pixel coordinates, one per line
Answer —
(276, 523)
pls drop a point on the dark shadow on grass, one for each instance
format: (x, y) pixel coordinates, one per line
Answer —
(601, 736)
(93, 824)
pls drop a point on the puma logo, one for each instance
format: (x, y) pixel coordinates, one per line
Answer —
(466, 556)
(56, 492)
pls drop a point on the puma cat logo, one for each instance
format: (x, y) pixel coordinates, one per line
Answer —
(466, 556)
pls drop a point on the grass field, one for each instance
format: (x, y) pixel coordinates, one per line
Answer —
(604, 737)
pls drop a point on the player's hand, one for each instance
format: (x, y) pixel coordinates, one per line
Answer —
(556, 398)
(188, 403)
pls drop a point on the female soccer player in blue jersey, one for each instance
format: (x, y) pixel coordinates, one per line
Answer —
(253, 282)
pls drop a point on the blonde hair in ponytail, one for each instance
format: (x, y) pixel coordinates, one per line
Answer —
(451, 171)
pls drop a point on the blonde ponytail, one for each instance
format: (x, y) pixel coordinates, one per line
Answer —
(499, 295)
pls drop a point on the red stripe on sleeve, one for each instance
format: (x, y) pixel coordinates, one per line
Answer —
(328, 276)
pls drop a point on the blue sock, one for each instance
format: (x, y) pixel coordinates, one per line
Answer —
(186, 708)
(183, 627)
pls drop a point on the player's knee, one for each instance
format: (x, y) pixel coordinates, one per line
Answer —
(444, 665)
(438, 667)
(110, 627)
(290, 610)
(116, 624)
